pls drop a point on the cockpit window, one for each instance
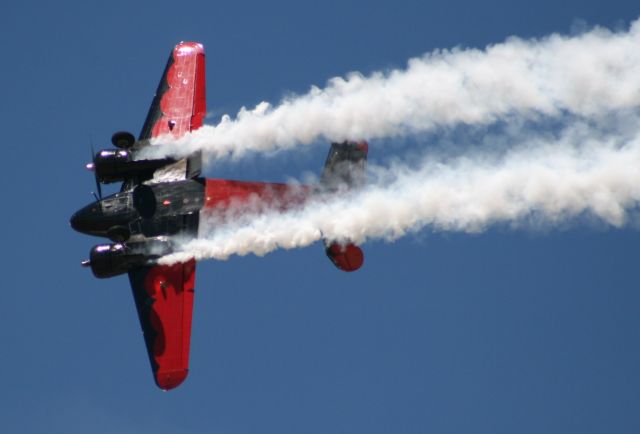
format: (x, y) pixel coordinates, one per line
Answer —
(119, 201)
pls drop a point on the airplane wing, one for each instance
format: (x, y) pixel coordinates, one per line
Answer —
(179, 106)
(164, 300)
(164, 294)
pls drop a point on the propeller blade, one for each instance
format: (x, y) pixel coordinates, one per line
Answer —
(92, 166)
(99, 188)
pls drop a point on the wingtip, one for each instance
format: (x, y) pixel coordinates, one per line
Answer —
(167, 380)
(346, 257)
(185, 48)
(362, 145)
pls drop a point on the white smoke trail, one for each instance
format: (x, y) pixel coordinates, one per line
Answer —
(579, 173)
(583, 75)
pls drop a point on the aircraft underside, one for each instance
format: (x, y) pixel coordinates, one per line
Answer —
(163, 199)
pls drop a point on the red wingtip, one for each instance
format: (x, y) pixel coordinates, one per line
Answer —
(186, 48)
(363, 146)
(346, 258)
(167, 380)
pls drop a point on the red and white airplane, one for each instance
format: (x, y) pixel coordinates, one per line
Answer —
(164, 198)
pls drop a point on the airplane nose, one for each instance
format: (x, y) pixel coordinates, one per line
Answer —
(82, 220)
(76, 222)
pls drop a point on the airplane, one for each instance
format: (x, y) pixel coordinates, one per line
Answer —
(161, 199)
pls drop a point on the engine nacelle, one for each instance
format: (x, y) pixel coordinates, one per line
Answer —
(346, 257)
(114, 165)
(110, 165)
(108, 260)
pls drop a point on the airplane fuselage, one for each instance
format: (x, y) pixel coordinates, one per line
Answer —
(149, 210)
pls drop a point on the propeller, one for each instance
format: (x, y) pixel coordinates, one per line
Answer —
(92, 166)
(120, 139)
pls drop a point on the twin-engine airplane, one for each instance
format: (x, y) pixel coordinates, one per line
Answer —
(163, 198)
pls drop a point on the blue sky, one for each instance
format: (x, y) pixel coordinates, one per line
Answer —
(527, 331)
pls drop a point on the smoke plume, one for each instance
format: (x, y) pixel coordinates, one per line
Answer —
(584, 75)
(582, 172)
